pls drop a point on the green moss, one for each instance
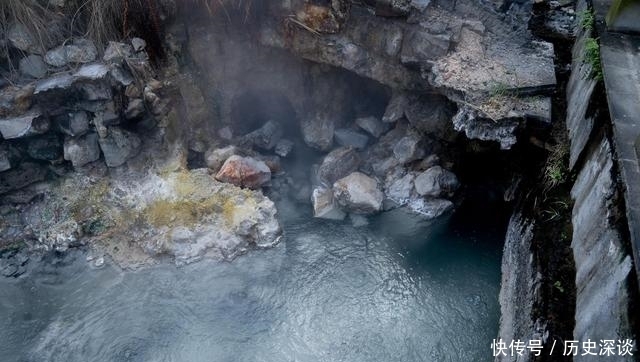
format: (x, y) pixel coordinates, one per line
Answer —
(187, 212)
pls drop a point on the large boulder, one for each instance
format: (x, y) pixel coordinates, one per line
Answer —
(358, 193)
(267, 136)
(338, 164)
(430, 208)
(409, 148)
(119, 146)
(437, 182)
(33, 66)
(244, 172)
(372, 125)
(82, 150)
(73, 124)
(325, 205)
(350, 138)
(317, 132)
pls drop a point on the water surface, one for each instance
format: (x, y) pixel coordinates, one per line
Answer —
(328, 292)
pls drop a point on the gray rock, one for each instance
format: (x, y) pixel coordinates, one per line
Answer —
(420, 47)
(475, 126)
(47, 147)
(33, 66)
(400, 190)
(325, 206)
(82, 150)
(117, 52)
(21, 176)
(74, 124)
(437, 182)
(59, 82)
(244, 172)
(118, 146)
(267, 136)
(215, 158)
(26, 125)
(225, 133)
(430, 208)
(395, 108)
(138, 44)
(317, 132)
(283, 148)
(135, 108)
(358, 193)
(20, 37)
(122, 76)
(430, 114)
(91, 72)
(81, 51)
(5, 158)
(338, 164)
(408, 149)
(350, 138)
(373, 125)
(95, 91)
(57, 57)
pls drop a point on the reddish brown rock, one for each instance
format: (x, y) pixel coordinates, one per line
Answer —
(244, 172)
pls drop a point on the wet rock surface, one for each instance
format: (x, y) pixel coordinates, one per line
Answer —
(244, 172)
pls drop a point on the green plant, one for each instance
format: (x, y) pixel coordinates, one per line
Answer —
(555, 170)
(591, 56)
(586, 19)
(558, 286)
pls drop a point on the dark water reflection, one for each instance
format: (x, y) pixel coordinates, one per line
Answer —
(329, 292)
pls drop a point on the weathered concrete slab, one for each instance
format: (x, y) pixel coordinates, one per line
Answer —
(621, 67)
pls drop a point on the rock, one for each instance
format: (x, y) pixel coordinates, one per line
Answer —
(283, 148)
(350, 138)
(225, 133)
(20, 37)
(138, 44)
(338, 164)
(135, 108)
(408, 148)
(430, 114)
(272, 161)
(436, 182)
(317, 132)
(117, 52)
(74, 124)
(395, 108)
(118, 146)
(475, 126)
(420, 47)
(47, 147)
(358, 193)
(5, 158)
(57, 57)
(95, 91)
(400, 190)
(325, 206)
(267, 136)
(82, 150)
(215, 158)
(124, 77)
(21, 176)
(91, 72)
(81, 51)
(33, 66)
(244, 172)
(392, 7)
(373, 125)
(26, 125)
(430, 208)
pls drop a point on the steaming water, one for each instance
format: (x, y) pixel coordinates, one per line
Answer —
(328, 292)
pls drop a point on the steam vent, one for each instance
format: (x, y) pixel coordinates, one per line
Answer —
(319, 180)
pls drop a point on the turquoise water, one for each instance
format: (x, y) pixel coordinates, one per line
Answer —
(328, 292)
